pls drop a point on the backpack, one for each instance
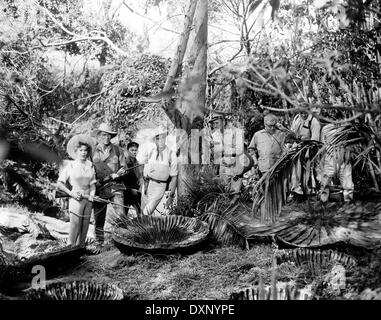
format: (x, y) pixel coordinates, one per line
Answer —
(308, 126)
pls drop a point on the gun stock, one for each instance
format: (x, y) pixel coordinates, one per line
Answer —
(61, 194)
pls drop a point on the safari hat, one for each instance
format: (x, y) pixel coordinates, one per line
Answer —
(75, 140)
(159, 131)
(104, 127)
(216, 116)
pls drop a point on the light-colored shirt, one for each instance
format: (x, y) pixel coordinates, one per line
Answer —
(269, 146)
(158, 165)
(80, 175)
(308, 129)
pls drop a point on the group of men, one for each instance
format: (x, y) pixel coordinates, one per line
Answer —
(141, 176)
(132, 176)
(269, 144)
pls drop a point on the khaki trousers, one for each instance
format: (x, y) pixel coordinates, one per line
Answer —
(153, 196)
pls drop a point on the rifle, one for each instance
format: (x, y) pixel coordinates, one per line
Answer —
(107, 181)
(62, 194)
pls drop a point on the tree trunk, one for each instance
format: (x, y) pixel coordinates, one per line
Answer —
(192, 90)
(179, 56)
(193, 97)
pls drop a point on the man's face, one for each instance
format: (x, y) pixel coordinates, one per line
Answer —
(160, 141)
(133, 150)
(270, 127)
(304, 115)
(217, 124)
(104, 138)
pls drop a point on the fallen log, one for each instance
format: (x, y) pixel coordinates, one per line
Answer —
(40, 226)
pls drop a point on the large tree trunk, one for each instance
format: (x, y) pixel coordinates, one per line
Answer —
(193, 97)
(192, 90)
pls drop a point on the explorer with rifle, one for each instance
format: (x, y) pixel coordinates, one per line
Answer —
(110, 165)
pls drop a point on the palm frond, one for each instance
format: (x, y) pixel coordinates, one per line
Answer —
(224, 228)
(279, 291)
(273, 186)
(202, 190)
(229, 224)
(76, 290)
(315, 259)
(350, 135)
(167, 234)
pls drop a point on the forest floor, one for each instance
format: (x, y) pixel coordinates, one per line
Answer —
(213, 273)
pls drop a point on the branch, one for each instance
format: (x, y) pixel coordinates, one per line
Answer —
(216, 93)
(373, 110)
(83, 114)
(104, 39)
(14, 51)
(84, 98)
(145, 17)
(78, 37)
(59, 121)
(226, 63)
(179, 56)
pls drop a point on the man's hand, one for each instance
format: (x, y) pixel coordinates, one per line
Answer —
(91, 198)
(114, 176)
(169, 201)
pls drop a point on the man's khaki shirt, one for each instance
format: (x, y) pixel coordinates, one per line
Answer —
(269, 146)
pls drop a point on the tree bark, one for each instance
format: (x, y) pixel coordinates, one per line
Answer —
(179, 56)
(193, 90)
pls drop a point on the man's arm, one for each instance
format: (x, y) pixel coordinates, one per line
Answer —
(172, 186)
(173, 172)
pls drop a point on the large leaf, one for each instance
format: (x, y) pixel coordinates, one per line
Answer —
(271, 191)
(349, 224)
(167, 234)
(76, 290)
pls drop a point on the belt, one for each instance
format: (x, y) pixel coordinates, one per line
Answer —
(155, 180)
(77, 188)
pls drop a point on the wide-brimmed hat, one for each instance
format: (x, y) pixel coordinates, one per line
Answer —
(215, 117)
(74, 142)
(161, 130)
(105, 127)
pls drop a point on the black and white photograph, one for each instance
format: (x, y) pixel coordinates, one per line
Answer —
(211, 151)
